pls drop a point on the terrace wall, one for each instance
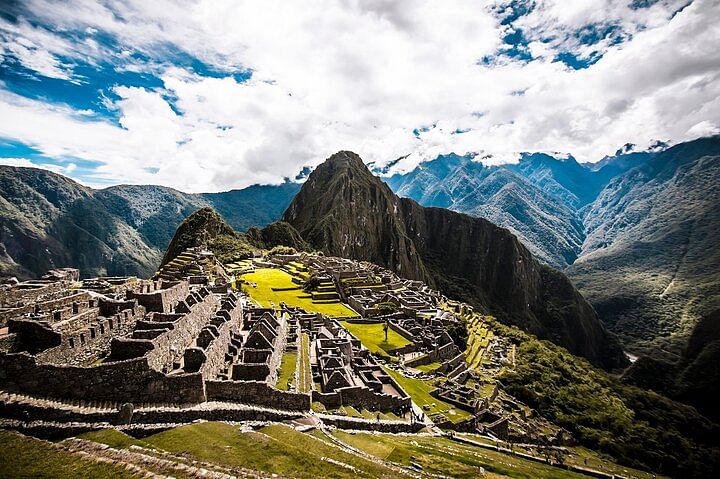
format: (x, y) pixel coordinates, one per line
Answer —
(257, 393)
(360, 398)
(124, 381)
(163, 300)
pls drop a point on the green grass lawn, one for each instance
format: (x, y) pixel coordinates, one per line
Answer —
(419, 391)
(373, 337)
(305, 370)
(287, 370)
(428, 368)
(113, 438)
(440, 455)
(29, 458)
(275, 286)
(277, 449)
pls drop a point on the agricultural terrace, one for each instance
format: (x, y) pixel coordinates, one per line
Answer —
(419, 391)
(240, 267)
(479, 336)
(373, 337)
(271, 286)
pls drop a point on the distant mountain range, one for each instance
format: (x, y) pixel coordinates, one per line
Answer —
(539, 199)
(635, 232)
(48, 220)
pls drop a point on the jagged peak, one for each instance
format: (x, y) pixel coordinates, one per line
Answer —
(343, 159)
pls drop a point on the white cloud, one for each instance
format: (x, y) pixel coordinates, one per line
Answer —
(27, 163)
(17, 162)
(362, 76)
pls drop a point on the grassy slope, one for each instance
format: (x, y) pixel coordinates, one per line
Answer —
(373, 337)
(25, 457)
(443, 456)
(269, 278)
(419, 390)
(275, 448)
(282, 450)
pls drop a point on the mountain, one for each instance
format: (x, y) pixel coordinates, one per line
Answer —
(202, 228)
(539, 199)
(650, 263)
(564, 178)
(48, 221)
(344, 210)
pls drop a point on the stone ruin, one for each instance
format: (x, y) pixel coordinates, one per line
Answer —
(204, 351)
(144, 342)
(348, 375)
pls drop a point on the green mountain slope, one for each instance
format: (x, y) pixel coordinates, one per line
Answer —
(47, 221)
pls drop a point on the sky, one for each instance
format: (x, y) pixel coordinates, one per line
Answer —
(211, 95)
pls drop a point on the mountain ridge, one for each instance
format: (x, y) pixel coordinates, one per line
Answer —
(48, 220)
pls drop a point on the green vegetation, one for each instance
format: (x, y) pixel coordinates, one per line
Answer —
(277, 449)
(29, 458)
(282, 250)
(304, 371)
(112, 437)
(439, 455)
(428, 368)
(479, 336)
(230, 248)
(419, 391)
(637, 427)
(373, 337)
(286, 378)
(387, 307)
(275, 286)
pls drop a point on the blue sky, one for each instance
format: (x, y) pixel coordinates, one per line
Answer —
(211, 95)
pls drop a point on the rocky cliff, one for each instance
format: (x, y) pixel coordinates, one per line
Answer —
(346, 211)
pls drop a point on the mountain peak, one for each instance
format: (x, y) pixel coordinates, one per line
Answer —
(345, 158)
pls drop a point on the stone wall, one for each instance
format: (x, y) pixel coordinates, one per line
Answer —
(163, 300)
(125, 381)
(81, 345)
(227, 323)
(393, 427)
(257, 393)
(66, 304)
(419, 361)
(361, 397)
(169, 346)
(33, 336)
(29, 292)
(446, 352)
